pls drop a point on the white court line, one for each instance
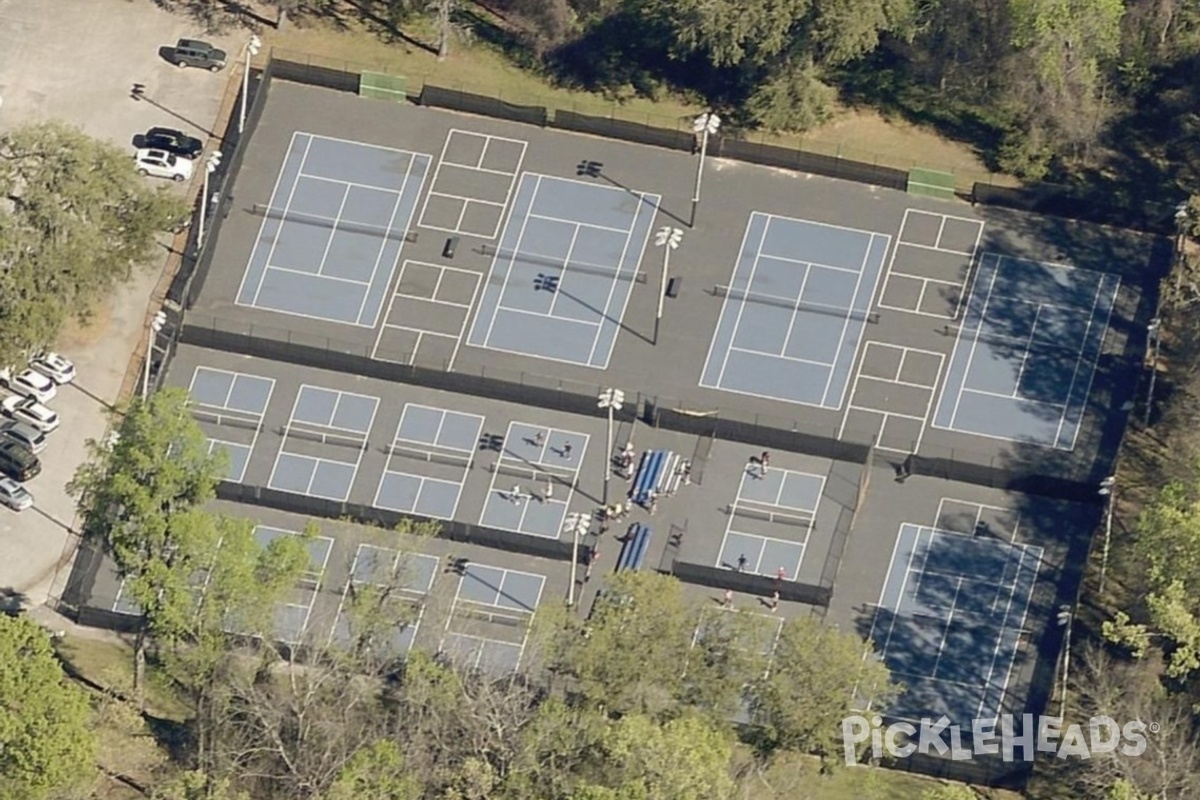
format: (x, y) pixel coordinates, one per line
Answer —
(512, 260)
(241, 475)
(946, 632)
(465, 201)
(336, 403)
(383, 243)
(895, 612)
(975, 336)
(349, 184)
(795, 312)
(725, 304)
(987, 683)
(565, 268)
(1027, 400)
(576, 222)
(780, 356)
(1037, 313)
(737, 500)
(606, 314)
(286, 207)
(846, 322)
(1079, 360)
(975, 254)
(546, 315)
(462, 329)
(528, 355)
(819, 224)
(636, 267)
(807, 263)
(904, 353)
(744, 301)
(262, 225)
(1024, 615)
(315, 275)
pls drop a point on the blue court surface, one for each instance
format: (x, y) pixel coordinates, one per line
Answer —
(950, 619)
(395, 577)
(770, 521)
(795, 310)
(534, 480)
(564, 270)
(292, 614)
(1026, 352)
(492, 608)
(430, 456)
(321, 417)
(332, 232)
(235, 402)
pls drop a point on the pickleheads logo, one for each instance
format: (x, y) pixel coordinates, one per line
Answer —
(989, 737)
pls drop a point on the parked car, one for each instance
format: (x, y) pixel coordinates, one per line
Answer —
(14, 495)
(195, 53)
(161, 164)
(29, 383)
(23, 434)
(173, 141)
(18, 463)
(55, 367)
(31, 412)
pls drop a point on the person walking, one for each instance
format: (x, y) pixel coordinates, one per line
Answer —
(774, 602)
(741, 562)
(566, 450)
(764, 462)
(728, 599)
(549, 488)
(514, 495)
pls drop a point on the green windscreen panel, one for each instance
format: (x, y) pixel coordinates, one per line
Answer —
(381, 86)
(931, 183)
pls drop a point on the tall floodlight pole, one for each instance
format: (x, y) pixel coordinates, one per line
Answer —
(1108, 490)
(252, 48)
(156, 325)
(1065, 618)
(1153, 333)
(210, 166)
(668, 239)
(577, 525)
(611, 400)
(703, 126)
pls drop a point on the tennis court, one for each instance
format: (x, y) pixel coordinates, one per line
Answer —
(333, 230)
(534, 479)
(387, 580)
(950, 619)
(769, 521)
(795, 310)
(319, 418)
(488, 623)
(1026, 351)
(430, 456)
(230, 408)
(564, 270)
(293, 613)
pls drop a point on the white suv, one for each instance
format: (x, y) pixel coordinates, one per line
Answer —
(161, 164)
(29, 383)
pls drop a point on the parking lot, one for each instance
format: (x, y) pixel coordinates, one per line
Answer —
(79, 64)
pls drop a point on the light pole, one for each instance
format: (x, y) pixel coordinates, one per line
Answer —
(668, 239)
(578, 525)
(1153, 335)
(1108, 490)
(210, 166)
(252, 48)
(703, 126)
(156, 325)
(612, 400)
(1065, 619)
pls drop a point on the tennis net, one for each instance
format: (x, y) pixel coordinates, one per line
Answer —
(532, 474)
(762, 515)
(226, 420)
(429, 456)
(871, 317)
(341, 224)
(564, 266)
(338, 440)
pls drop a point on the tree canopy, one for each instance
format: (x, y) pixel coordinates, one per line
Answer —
(45, 742)
(77, 220)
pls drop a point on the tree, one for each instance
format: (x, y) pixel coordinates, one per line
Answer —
(79, 219)
(629, 655)
(142, 496)
(45, 741)
(818, 675)
(684, 757)
(376, 772)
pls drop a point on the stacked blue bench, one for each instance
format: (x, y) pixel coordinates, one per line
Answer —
(657, 473)
(633, 549)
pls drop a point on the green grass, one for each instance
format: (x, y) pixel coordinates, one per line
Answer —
(348, 43)
(109, 665)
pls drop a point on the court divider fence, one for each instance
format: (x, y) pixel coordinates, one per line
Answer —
(453, 530)
(1080, 203)
(747, 583)
(1045, 476)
